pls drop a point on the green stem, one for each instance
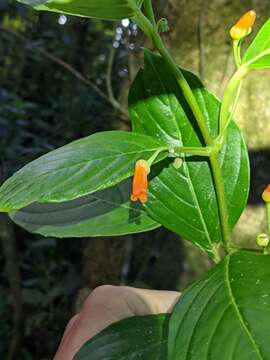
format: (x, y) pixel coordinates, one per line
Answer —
(221, 199)
(233, 88)
(237, 52)
(197, 151)
(229, 94)
(152, 159)
(222, 135)
(148, 8)
(152, 33)
(203, 151)
(268, 216)
(187, 92)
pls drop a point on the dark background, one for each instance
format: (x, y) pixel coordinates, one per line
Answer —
(62, 78)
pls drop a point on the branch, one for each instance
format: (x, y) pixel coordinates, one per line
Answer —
(7, 237)
(115, 104)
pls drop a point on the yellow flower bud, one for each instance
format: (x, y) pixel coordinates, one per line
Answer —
(266, 194)
(243, 26)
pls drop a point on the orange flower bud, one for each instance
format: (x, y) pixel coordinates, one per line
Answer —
(140, 182)
(266, 194)
(243, 26)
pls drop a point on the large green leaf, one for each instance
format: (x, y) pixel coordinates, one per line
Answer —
(226, 315)
(136, 338)
(184, 199)
(105, 213)
(80, 168)
(258, 53)
(101, 9)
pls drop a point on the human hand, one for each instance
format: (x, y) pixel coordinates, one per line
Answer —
(106, 305)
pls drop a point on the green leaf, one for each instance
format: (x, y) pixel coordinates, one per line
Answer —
(258, 53)
(136, 338)
(101, 9)
(80, 168)
(105, 213)
(184, 199)
(225, 315)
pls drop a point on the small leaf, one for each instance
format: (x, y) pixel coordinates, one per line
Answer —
(80, 168)
(105, 213)
(101, 9)
(225, 315)
(136, 338)
(184, 199)
(255, 52)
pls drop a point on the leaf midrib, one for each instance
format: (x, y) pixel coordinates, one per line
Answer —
(179, 323)
(92, 160)
(185, 166)
(8, 196)
(261, 50)
(188, 351)
(236, 308)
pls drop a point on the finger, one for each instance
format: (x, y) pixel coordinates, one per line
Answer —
(69, 328)
(109, 304)
(151, 301)
(104, 306)
(67, 340)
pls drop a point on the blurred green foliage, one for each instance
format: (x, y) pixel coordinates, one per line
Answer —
(43, 106)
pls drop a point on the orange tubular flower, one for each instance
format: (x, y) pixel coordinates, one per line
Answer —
(266, 194)
(140, 182)
(243, 26)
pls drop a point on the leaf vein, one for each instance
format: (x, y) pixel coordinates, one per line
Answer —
(237, 310)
